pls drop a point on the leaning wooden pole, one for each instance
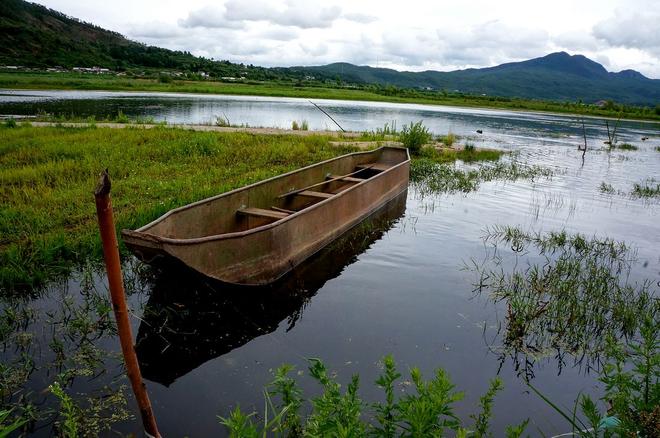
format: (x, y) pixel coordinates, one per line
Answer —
(117, 294)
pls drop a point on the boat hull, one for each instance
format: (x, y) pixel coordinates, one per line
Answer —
(263, 254)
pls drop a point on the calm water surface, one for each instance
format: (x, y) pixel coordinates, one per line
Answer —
(396, 285)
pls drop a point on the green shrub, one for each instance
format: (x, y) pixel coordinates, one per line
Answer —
(294, 126)
(304, 126)
(164, 79)
(10, 123)
(415, 136)
(469, 147)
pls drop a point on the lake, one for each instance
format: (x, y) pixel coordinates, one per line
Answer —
(401, 283)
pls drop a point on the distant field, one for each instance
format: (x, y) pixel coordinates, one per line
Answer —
(71, 81)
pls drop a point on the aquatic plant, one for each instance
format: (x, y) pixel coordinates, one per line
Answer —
(647, 189)
(631, 377)
(569, 297)
(304, 126)
(469, 147)
(429, 177)
(294, 125)
(414, 136)
(626, 147)
(428, 411)
(606, 188)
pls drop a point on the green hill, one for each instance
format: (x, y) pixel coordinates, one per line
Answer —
(32, 35)
(557, 76)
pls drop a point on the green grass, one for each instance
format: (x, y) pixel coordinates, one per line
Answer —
(627, 147)
(47, 218)
(74, 81)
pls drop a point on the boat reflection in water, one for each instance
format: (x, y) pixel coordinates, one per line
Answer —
(189, 319)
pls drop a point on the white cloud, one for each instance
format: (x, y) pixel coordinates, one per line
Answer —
(416, 35)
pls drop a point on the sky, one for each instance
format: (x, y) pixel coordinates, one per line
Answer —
(405, 35)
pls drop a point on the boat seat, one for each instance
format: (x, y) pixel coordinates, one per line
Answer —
(347, 179)
(375, 166)
(261, 212)
(313, 194)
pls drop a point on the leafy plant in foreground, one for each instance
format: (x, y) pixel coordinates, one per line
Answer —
(427, 412)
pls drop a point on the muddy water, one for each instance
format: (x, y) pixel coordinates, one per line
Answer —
(396, 284)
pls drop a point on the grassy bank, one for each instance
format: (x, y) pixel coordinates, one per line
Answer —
(47, 174)
(47, 220)
(70, 81)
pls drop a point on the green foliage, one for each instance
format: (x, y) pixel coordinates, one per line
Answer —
(295, 126)
(387, 132)
(426, 412)
(9, 425)
(69, 411)
(304, 126)
(121, 117)
(481, 421)
(632, 381)
(414, 137)
(626, 147)
(10, 123)
(469, 147)
(164, 78)
(631, 376)
(448, 140)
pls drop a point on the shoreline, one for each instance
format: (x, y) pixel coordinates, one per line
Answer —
(518, 105)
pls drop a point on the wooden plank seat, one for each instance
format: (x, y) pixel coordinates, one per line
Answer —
(347, 179)
(314, 194)
(261, 212)
(375, 166)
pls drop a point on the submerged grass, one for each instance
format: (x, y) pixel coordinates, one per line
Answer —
(647, 189)
(47, 219)
(570, 296)
(429, 177)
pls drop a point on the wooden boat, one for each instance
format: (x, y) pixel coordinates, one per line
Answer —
(256, 234)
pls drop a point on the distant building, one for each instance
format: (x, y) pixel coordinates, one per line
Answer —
(601, 103)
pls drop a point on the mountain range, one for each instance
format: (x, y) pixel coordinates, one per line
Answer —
(35, 36)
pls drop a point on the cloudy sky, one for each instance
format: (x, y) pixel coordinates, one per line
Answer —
(405, 35)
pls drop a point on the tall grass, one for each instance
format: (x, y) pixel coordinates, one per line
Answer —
(47, 220)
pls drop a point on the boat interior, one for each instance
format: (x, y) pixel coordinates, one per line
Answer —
(274, 199)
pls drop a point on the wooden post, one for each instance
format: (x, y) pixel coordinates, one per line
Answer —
(117, 294)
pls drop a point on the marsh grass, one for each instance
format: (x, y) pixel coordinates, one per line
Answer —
(47, 219)
(449, 155)
(606, 188)
(387, 132)
(647, 189)
(569, 295)
(430, 177)
(448, 140)
(626, 147)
